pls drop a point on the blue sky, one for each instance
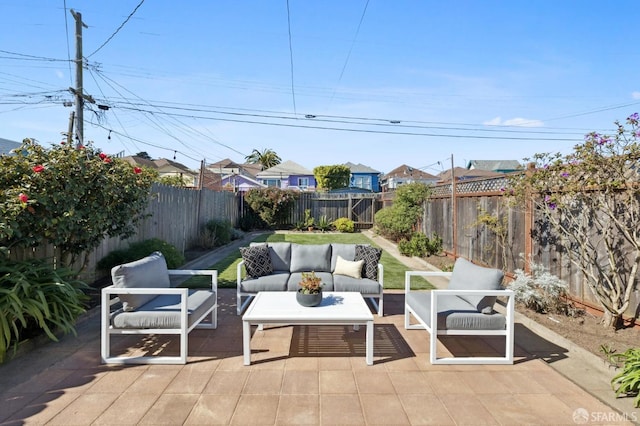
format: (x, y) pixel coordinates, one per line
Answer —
(382, 83)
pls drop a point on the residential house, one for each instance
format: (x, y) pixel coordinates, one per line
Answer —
(406, 174)
(364, 177)
(498, 166)
(6, 146)
(167, 168)
(288, 175)
(465, 174)
(238, 182)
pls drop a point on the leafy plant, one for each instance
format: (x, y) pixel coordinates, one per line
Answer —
(310, 283)
(141, 249)
(309, 220)
(324, 224)
(220, 232)
(33, 294)
(272, 205)
(343, 224)
(332, 177)
(419, 245)
(626, 382)
(400, 221)
(69, 197)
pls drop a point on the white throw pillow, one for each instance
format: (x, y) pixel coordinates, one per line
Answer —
(348, 268)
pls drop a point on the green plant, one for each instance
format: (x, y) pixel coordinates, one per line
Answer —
(419, 245)
(332, 177)
(173, 180)
(627, 381)
(400, 221)
(272, 205)
(141, 249)
(69, 197)
(310, 283)
(34, 295)
(324, 224)
(343, 224)
(309, 220)
(219, 232)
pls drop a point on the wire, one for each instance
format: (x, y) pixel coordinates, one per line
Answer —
(293, 91)
(117, 30)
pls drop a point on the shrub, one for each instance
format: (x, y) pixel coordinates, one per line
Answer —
(626, 382)
(34, 295)
(324, 224)
(272, 205)
(343, 224)
(141, 249)
(220, 232)
(399, 221)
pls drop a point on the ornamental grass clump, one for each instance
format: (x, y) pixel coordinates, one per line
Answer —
(310, 283)
(627, 382)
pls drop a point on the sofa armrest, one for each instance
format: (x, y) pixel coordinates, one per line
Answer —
(195, 272)
(239, 273)
(381, 276)
(409, 274)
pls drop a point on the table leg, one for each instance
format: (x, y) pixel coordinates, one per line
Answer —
(369, 343)
(246, 342)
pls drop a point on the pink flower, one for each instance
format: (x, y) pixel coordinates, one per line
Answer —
(107, 160)
(102, 155)
(137, 170)
(23, 198)
(39, 168)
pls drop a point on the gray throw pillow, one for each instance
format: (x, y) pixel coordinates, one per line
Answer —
(148, 272)
(468, 276)
(371, 256)
(256, 260)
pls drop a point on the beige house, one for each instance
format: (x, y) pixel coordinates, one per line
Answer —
(167, 168)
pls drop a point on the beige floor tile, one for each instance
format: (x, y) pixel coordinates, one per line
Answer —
(47, 380)
(373, 382)
(300, 382)
(425, 410)
(128, 409)
(267, 382)
(483, 382)
(170, 409)
(213, 410)
(256, 410)
(338, 382)
(154, 380)
(116, 381)
(84, 409)
(226, 382)
(467, 410)
(341, 410)
(520, 381)
(334, 363)
(302, 363)
(383, 409)
(298, 410)
(447, 382)
(41, 409)
(190, 379)
(410, 382)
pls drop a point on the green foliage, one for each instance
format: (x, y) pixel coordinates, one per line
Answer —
(400, 221)
(138, 250)
(626, 382)
(34, 295)
(273, 205)
(332, 177)
(324, 224)
(267, 158)
(344, 224)
(173, 180)
(309, 220)
(419, 245)
(216, 233)
(590, 200)
(498, 224)
(70, 197)
(541, 291)
(310, 283)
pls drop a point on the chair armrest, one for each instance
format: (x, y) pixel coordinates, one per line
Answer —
(239, 273)
(143, 290)
(381, 275)
(212, 272)
(409, 274)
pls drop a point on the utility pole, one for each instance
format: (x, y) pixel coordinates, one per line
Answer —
(454, 211)
(78, 92)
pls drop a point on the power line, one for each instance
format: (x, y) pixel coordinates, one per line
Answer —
(118, 29)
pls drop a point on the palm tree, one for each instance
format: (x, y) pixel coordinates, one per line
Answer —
(267, 158)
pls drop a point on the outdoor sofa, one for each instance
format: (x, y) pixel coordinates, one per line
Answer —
(279, 266)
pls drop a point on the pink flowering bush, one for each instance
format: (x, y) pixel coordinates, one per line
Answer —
(71, 197)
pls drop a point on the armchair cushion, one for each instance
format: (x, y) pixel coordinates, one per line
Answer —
(371, 256)
(150, 271)
(256, 260)
(467, 276)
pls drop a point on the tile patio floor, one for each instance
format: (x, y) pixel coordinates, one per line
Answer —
(299, 375)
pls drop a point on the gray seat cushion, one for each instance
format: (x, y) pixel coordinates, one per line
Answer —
(280, 254)
(454, 313)
(362, 285)
(148, 272)
(310, 257)
(163, 311)
(274, 282)
(296, 277)
(345, 251)
(467, 276)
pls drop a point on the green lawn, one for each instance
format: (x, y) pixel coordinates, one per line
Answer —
(393, 269)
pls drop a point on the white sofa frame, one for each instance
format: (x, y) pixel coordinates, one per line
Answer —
(434, 331)
(107, 330)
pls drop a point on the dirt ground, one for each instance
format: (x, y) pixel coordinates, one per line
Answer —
(585, 330)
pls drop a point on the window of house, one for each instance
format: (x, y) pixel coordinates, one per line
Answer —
(363, 182)
(271, 182)
(303, 183)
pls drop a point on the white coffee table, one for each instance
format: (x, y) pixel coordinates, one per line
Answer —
(280, 307)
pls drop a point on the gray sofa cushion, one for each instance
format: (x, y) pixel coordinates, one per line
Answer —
(148, 272)
(280, 254)
(274, 282)
(163, 311)
(363, 285)
(454, 313)
(257, 261)
(371, 256)
(345, 251)
(326, 277)
(467, 276)
(310, 257)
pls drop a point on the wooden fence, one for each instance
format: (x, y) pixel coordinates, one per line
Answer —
(359, 207)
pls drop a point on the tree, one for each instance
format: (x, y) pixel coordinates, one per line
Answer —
(590, 200)
(69, 197)
(267, 158)
(401, 220)
(144, 154)
(332, 177)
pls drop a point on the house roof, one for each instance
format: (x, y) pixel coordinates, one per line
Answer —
(249, 169)
(287, 168)
(405, 171)
(224, 164)
(360, 168)
(7, 145)
(156, 164)
(462, 173)
(494, 165)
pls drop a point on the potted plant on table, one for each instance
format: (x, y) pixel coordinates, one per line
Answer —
(310, 291)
